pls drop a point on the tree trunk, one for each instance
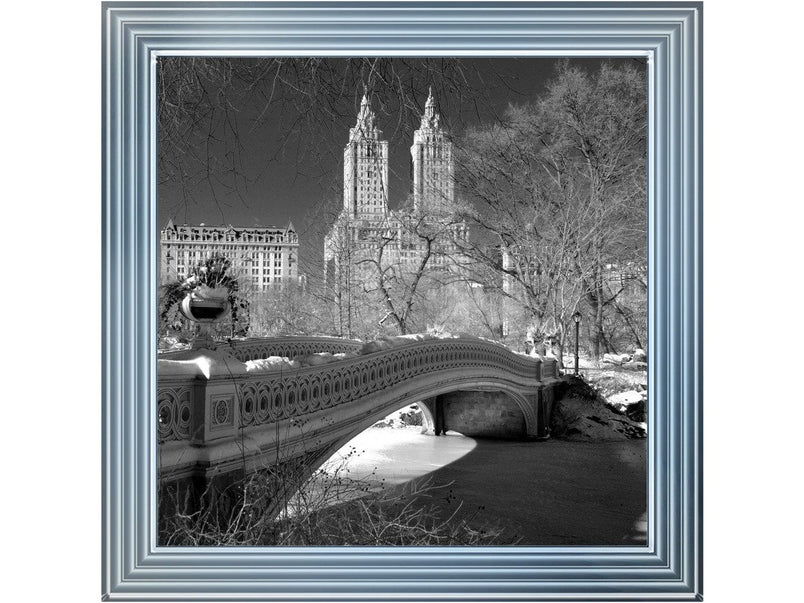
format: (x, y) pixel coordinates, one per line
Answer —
(630, 324)
(600, 336)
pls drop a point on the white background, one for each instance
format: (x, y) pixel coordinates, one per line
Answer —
(51, 208)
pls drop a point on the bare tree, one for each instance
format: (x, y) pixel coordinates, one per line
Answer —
(522, 225)
(413, 259)
(599, 122)
(558, 196)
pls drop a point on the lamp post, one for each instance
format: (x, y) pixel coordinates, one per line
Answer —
(577, 320)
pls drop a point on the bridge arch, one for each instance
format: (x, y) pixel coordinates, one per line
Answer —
(458, 386)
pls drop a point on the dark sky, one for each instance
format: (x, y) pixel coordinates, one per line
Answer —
(291, 169)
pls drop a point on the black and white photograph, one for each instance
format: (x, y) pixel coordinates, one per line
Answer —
(169, 436)
(402, 301)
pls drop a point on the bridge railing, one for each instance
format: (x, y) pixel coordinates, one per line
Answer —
(290, 347)
(202, 408)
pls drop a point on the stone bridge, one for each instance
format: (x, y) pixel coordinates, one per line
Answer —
(215, 417)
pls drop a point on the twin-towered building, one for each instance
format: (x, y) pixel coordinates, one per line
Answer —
(366, 226)
(265, 256)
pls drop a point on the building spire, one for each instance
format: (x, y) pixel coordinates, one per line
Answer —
(430, 119)
(365, 101)
(366, 120)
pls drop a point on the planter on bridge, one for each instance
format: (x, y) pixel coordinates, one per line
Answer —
(205, 306)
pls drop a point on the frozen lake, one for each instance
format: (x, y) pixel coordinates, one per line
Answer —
(396, 455)
(550, 493)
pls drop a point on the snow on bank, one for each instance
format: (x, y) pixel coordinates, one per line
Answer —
(636, 361)
(627, 398)
(582, 412)
(404, 418)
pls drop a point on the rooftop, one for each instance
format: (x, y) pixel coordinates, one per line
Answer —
(227, 227)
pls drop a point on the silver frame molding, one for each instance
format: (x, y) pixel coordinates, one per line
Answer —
(668, 34)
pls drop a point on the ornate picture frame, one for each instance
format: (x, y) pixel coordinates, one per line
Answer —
(668, 35)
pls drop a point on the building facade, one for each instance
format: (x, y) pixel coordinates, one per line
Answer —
(261, 257)
(366, 236)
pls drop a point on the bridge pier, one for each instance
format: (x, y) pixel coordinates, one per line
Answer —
(544, 409)
(427, 406)
(492, 414)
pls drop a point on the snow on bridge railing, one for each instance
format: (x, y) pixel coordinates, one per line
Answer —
(289, 347)
(237, 396)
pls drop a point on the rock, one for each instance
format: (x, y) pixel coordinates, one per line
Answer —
(639, 355)
(637, 412)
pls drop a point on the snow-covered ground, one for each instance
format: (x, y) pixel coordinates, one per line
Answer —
(619, 382)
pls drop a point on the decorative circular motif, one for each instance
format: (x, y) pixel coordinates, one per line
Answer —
(165, 416)
(174, 413)
(276, 408)
(247, 410)
(303, 396)
(264, 407)
(220, 413)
